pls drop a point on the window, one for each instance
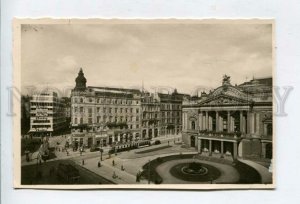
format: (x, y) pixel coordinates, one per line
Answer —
(75, 121)
(81, 100)
(193, 125)
(81, 120)
(90, 100)
(137, 110)
(81, 109)
(90, 120)
(98, 109)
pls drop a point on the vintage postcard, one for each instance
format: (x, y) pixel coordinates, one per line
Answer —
(143, 104)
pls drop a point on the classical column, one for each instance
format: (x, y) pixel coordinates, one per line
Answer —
(265, 129)
(228, 121)
(119, 138)
(232, 123)
(222, 149)
(217, 121)
(263, 150)
(200, 121)
(210, 144)
(257, 124)
(206, 120)
(234, 150)
(221, 124)
(210, 122)
(241, 122)
(248, 123)
(183, 121)
(199, 146)
(252, 123)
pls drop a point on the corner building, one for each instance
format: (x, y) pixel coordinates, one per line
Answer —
(231, 120)
(47, 114)
(104, 116)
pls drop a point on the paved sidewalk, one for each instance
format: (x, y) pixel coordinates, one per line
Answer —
(107, 170)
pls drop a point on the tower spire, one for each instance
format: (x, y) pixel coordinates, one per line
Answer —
(80, 81)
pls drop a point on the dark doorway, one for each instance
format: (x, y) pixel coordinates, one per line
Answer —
(269, 153)
(90, 142)
(155, 133)
(150, 133)
(192, 141)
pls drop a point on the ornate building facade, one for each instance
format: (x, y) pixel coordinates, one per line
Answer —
(171, 112)
(102, 115)
(150, 115)
(231, 120)
(106, 116)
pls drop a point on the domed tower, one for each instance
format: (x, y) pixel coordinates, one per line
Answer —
(80, 81)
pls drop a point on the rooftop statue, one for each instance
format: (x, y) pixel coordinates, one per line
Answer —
(226, 80)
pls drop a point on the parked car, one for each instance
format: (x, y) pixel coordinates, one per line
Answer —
(94, 148)
(157, 142)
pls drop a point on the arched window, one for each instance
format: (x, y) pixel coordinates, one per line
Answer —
(193, 125)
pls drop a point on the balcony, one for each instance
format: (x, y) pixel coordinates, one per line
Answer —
(225, 135)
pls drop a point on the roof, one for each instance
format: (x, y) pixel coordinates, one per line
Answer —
(170, 97)
(114, 90)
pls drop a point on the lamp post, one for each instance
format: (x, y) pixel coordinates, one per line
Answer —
(101, 151)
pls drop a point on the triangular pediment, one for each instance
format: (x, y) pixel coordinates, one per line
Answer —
(227, 95)
(229, 91)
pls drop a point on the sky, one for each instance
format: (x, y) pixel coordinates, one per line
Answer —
(157, 56)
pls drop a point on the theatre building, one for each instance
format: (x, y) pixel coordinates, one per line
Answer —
(231, 120)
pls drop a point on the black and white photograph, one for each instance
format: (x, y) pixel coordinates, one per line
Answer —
(151, 104)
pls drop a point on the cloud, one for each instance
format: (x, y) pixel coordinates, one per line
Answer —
(178, 55)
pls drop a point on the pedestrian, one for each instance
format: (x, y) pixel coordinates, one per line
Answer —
(82, 162)
(122, 168)
(113, 162)
(99, 164)
(138, 177)
(114, 175)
